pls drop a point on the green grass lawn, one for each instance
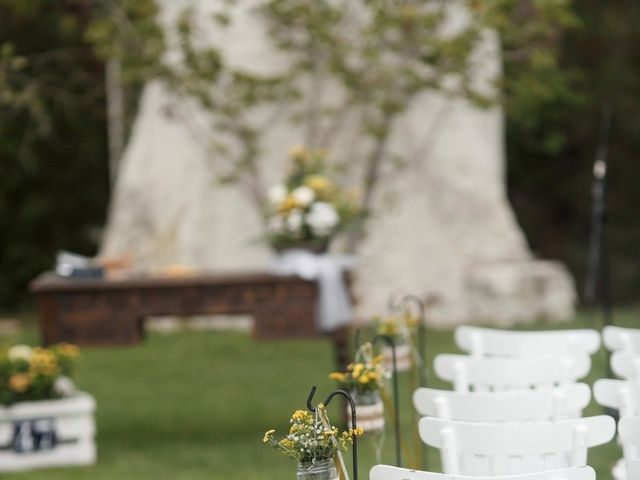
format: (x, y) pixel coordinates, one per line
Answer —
(194, 405)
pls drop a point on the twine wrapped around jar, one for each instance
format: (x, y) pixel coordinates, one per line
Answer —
(403, 356)
(369, 411)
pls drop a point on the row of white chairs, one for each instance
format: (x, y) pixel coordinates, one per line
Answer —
(516, 407)
(479, 341)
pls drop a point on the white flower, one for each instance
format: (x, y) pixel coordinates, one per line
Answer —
(19, 352)
(303, 196)
(294, 220)
(277, 194)
(64, 386)
(322, 218)
(275, 224)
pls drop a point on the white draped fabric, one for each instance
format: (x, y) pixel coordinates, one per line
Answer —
(334, 306)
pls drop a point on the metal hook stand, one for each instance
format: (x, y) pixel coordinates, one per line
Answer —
(396, 402)
(352, 405)
(422, 334)
(403, 304)
(390, 342)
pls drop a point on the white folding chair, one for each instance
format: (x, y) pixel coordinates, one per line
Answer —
(621, 395)
(621, 339)
(552, 403)
(468, 448)
(626, 365)
(485, 374)
(480, 341)
(629, 438)
(386, 472)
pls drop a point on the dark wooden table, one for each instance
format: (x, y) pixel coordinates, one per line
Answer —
(112, 312)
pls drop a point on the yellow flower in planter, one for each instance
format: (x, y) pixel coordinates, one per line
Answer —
(19, 382)
(43, 362)
(68, 350)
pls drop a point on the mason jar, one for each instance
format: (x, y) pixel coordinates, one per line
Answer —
(318, 470)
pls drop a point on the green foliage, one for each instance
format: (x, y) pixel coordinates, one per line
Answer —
(551, 148)
(53, 177)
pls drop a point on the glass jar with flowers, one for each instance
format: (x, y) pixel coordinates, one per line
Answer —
(364, 380)
(313, 444)
(399, 328)
(309, 209)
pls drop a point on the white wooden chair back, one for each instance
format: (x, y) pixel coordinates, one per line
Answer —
(553, 403)
(626, 365)
(480, 341)
(621, 339)
(387, 472)
(508, 448)
(629, 438)
(621, 395)
(492, 374)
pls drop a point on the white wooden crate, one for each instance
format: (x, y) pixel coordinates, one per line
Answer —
(48, 433)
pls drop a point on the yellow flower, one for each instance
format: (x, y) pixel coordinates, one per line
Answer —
(319, 184)
(19, 382)
(364, 379)
(300, 415)
(338, 376)
(267, 435)
(357, 370)
(288, 204)
(68, 350)
(43, 362)
(411, 320)
(377, 359)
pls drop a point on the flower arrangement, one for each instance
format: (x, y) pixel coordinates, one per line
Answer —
(28, 373)
(396, 326)
(399, 328)
(308, 441)
(362, 377)
(308, 209)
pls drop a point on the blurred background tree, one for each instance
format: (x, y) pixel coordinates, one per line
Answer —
(54, 156)
(53, 175)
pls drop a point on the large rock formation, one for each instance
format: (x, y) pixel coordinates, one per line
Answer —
(450, 233)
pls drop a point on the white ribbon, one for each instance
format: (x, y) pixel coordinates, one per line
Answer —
(334, 306)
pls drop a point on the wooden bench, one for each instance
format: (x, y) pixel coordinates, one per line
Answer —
(112, 312)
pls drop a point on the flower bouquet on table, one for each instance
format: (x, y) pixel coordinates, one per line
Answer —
(309, 209)
(314, 444)
(364, 380)
(46, 420)
(399, 328)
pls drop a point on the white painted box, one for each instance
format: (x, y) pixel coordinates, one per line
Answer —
(48, 433)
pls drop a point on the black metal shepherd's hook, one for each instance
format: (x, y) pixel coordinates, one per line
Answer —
(396, 403)
(352, 404)
(391, 343)
(422, 334)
